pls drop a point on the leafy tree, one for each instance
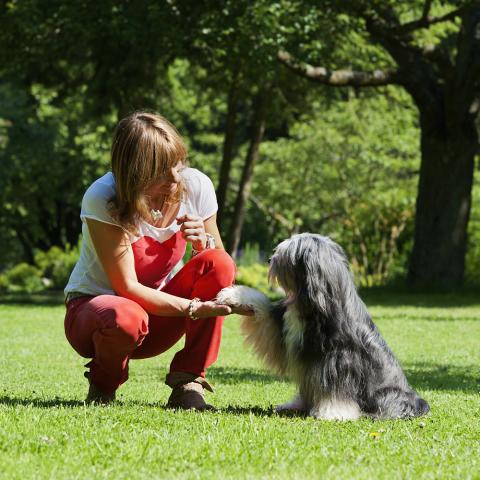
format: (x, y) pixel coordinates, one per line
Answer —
(432, 50)
(236, 42)
(48, 158)
(349, 172)
(68, 72)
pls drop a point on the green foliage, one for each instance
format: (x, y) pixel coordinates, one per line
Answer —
(52, 270)
(472, 260)
(337, 162)
(348, 172)
(249, 255)
(22, 277)
(57, 264)
(255, 275)
(188, 253)
(53, 154)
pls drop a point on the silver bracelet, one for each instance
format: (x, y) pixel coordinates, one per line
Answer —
(191, 306)
(210, 243)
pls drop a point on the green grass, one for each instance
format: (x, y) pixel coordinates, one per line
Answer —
(46, 431)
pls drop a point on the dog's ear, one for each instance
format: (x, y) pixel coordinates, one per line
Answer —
(323, 281)
(321, 314)
(313, 291)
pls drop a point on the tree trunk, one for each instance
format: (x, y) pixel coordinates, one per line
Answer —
(228, 151)
(258, 129)
(443, 205)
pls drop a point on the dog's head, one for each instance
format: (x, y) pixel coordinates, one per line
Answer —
(310, 266)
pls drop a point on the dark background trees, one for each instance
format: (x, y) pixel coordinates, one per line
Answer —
(287, 152)
(441, 72)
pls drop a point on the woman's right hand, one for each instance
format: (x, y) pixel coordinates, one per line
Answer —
(210, 309)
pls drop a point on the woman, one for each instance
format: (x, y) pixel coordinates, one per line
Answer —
(136, 221)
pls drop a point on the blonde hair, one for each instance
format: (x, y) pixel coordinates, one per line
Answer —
(145, 148)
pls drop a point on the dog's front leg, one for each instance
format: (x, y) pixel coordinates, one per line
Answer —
(263, 330)
(330, 407)
(297, 404)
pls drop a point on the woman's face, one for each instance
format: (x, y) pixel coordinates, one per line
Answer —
(166, 186)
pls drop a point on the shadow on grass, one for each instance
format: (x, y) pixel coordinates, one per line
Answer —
(40, 402)
(390, 297)
(233, 375)
(61, 403)
(233, 410)
(373, 296)
(242, 410)
(423, 376)
(421, 317)
(47, 299)
(427, 376)
(261, 412)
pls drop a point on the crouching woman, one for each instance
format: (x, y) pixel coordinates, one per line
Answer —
(136, 221)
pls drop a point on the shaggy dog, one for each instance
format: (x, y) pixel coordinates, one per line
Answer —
(322, 337)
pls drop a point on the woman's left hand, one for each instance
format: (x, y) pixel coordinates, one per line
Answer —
(193, 230)
(244, 311)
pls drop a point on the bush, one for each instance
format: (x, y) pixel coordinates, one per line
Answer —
(256, 276)
(51, 270)
(56, 265)
(249, 255)
(22, 277)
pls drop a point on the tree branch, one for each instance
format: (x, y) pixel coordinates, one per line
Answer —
(467, 71)
(425, 21)
(268, 210)
(426, 8)
(340, 78)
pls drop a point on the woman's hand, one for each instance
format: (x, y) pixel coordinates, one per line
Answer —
(210, 309)
(193, 230)
(243, 311)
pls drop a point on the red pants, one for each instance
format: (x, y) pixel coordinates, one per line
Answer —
(112, 329)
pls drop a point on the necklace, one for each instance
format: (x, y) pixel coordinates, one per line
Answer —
(156, 215)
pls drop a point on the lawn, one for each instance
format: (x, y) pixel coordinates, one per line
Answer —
(46, 431)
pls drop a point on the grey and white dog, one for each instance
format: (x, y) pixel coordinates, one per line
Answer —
(322, 337)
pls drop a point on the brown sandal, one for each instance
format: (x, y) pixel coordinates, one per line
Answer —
(95, 395)
(188, 391)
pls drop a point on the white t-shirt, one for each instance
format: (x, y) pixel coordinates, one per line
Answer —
(156, 250)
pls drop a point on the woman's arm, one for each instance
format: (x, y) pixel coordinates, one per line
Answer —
(194, 229)
(212, 228)
(115, 253)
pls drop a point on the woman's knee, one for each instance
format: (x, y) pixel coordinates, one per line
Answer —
(133, 322)
(221, 262)
(125, 317)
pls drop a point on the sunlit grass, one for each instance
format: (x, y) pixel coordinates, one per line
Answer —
(46, 431)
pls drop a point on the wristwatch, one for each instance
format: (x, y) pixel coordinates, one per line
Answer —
(210, 243)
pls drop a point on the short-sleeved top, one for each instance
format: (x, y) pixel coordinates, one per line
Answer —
(156, 250)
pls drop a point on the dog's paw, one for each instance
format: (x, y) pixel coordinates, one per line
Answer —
(244, 297)
(336, 409)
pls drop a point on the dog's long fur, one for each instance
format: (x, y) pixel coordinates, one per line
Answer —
(322, 337)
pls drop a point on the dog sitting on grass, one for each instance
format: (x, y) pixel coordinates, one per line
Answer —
(322, 337)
